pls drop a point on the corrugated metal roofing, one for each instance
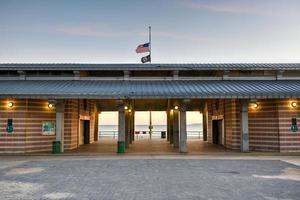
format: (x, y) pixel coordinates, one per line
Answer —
(150, 89)
(196, 66)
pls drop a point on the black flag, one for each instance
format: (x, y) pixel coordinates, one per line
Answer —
(146, 59)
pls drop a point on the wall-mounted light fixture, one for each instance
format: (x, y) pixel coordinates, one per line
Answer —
(255, 105)
(176, 107)
(294, 104)
(10, 104)
(50, 105)
(125, 107)
(129, 110)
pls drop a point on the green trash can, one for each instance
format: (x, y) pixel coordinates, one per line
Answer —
(121, 147)
(56, 147)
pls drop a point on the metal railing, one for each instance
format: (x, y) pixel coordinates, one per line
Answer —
(156, 134)
(113, 134)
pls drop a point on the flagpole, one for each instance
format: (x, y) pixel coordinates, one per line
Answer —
(150, 125)
(150, 42)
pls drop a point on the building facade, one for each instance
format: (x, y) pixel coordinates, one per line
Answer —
(246, 107)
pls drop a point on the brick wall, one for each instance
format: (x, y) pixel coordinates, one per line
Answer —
(28, 116)
(232, 124)
(263, 126)
(71, 124)
(289, 142)
(269, 124)
(228, 110)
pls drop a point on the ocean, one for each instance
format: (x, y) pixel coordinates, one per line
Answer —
(193, 130)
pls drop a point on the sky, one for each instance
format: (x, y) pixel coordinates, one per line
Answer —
(183, 31)
(142, 118)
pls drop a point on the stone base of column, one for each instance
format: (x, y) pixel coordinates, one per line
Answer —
(183, 149)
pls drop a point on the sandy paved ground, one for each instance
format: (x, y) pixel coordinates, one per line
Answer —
(150, 177)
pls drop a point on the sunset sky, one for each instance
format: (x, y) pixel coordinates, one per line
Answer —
(142, 118)
(108, 31)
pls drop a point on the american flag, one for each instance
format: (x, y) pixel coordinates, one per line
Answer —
(143, 48)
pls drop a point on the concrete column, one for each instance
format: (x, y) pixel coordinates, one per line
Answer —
(132, 126)
(121, 128)
(96, 137)
(205, 121)
(127, 128)
(171, 116)
(175, 128)
(168, 125)
(204, 118)
(244, 125)
(59, 124)
(183, 132)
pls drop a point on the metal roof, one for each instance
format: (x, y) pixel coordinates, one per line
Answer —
(153, 66)
(150, 89)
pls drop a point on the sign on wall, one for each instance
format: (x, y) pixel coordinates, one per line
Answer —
(9, 126)
(294, 127)
(48, 128)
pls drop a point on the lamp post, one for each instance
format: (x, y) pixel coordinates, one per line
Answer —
(150, 125)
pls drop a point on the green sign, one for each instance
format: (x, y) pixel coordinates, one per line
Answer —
(294, 127)
(9, 127)
(48, 128)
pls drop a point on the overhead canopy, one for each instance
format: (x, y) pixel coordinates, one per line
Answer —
(108, 89)
(153, 66)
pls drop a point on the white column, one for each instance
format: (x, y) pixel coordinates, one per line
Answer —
(121, 126)
(244, 125)
(183, 133)
(59, 124)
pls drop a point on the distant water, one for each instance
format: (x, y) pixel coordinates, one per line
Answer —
(110, 130)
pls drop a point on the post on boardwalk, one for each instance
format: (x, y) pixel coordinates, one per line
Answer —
(150, 44)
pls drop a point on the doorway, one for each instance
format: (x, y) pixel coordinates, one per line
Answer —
(150, 125)
(84, 135)
(217, 136)
(108, 125)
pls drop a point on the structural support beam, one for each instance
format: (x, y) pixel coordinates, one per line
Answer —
(183, 132)
(244, 125)
(205, 121)
(168, 125)
(131, 126)
(175, 128)
(96, 115)
(59, 124)
(171, 134)
(121, 127)
(127, 129)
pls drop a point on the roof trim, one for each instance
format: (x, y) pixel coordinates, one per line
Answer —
(153, 66)
(175, 89)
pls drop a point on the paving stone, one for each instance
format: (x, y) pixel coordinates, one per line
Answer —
(149, 179)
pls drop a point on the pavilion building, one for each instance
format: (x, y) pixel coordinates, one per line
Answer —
(246, 107)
